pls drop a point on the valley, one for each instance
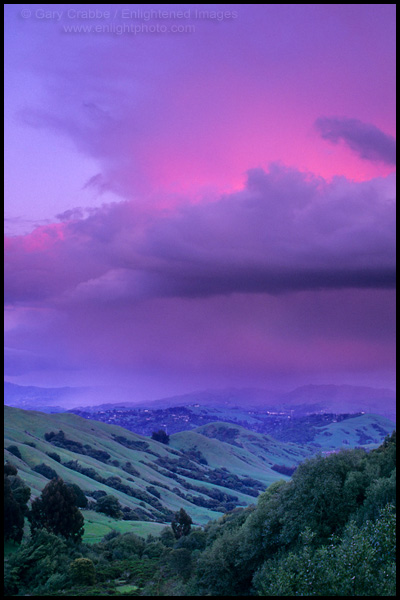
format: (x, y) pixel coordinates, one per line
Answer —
(209, 467)
(229, 480)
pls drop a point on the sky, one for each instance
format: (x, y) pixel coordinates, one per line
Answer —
(199, 196)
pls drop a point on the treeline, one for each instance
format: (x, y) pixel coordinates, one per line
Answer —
(193, 466)
(330, 531)
(60, 440)
(185, 466)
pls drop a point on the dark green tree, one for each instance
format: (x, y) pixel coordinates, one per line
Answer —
(126, 546)
(56, 511)
(14, 450)
(360, 563)
(40, 561)
(160, 436)
(10, 469)
(16, 496)
(179, 562)
(323, 492)
(83, 571)
(21, 493)
(45, 470)
(54, 456)
(80, 498)
(109, 505)
(167, 537)
(13, 516)
(219, 568)
(181, 523)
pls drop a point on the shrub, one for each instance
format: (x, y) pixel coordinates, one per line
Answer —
(14, 450)
(83, 571)
(160, 436)
(54, 456)
(109, 505)
(45, 470)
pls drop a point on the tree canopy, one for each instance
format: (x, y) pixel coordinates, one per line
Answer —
(16, 496)
(181, 523)
(56, 511)
(160, 436)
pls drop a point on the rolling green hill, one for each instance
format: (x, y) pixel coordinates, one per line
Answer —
(206, 471)
(241, 451)
(245, 452)
(26, 430)
(180, 479)
(366, 430)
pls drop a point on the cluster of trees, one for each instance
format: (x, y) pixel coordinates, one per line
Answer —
(14, 450)
(337, 511)
(330, 531)
(61, 441)
(190, 467)
(53, 557)
(160, 436)
(157, 510)
(214, 499)
(45, 470)
(132, 444)
(284, 469)
(16, 496)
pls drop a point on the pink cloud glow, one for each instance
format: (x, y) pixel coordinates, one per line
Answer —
(213, 208)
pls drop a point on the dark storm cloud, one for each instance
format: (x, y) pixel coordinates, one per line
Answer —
(365, 139)
(285, 231)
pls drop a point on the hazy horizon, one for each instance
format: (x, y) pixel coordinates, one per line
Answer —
(338, 398)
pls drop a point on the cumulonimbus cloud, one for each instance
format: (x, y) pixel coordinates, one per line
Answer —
(364, 138)
(284, 231)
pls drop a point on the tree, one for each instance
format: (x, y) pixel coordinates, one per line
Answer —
(56, 511)
(21, 492)
(219, 568)
(16, 496)
(181, 523)
(13, 517)
(323, 492)
(167, 537)
(160, 436)
(10, 469)
(40, 561)
(14, 450)
(109, 505)
(80, 498)
(45, 470)
(126, 546)
(54, 456)
(179, 562)
(360, 563)
(83, 571)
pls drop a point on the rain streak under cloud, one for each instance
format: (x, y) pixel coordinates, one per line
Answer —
(201, 210)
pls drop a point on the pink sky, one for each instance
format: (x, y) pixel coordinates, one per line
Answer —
(215, 207)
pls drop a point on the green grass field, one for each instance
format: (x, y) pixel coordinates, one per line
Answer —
(98, 525)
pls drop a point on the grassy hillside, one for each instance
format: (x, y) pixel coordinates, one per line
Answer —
(365, 430)
(23, 428)
(180, 479)
(242, 452)
(98, 525)
(262, 457)
(206, 471)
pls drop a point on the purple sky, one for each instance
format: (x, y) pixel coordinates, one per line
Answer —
(206, 208)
